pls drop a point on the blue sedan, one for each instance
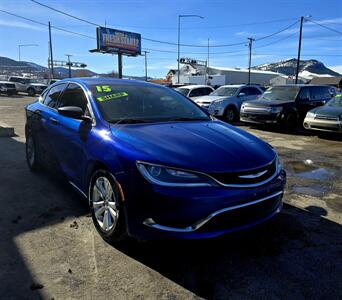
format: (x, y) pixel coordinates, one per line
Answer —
(151, 163)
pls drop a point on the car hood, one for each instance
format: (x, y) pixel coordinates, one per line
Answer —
(326, 110)
(201, 146)
(262, 102)
(210, 98)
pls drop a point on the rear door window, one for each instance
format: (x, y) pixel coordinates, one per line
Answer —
(51, 99)
(195, 93)
(253, 91)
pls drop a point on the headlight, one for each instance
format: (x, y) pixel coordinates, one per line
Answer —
(310, 115)
(276, 109)
(165, 176)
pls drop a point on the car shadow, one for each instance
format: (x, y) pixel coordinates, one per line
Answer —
(290, 257)
(28, 202)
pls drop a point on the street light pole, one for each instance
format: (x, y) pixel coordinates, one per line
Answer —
(25, 45)
(145, 64)
(179, 23)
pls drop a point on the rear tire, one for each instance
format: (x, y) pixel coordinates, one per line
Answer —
(106, 207)
(32, 154)
(230, 114)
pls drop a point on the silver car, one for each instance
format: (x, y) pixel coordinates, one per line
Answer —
(226, 101)
(195, 91)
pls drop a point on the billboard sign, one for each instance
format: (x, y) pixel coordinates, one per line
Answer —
(118, 41)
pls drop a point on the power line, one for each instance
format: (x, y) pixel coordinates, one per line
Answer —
(46, 25)
(324, 26)
(275, 33)
(159, 41)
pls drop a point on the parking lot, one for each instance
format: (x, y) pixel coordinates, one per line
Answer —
(50, 249)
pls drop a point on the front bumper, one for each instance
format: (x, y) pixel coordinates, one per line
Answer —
(216, 110)
(322, 125)
(155, 212)
(266, 118)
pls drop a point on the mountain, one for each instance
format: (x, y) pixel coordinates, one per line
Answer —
(288, 67)
(10, 66)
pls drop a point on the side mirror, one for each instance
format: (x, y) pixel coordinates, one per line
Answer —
(241, 95)
(74, 112)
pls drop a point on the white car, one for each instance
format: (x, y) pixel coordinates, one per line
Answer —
(27, 85)
(195, 91)
(226, 101)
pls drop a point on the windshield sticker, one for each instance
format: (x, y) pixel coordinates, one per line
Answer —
(103, 88)
(112, 96)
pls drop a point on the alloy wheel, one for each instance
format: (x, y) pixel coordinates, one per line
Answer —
(105, 204)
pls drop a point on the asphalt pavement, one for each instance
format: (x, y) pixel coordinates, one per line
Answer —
(49, 248)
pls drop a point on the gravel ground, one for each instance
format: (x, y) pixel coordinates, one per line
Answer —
(49, 248)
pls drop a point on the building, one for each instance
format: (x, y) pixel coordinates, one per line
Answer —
(284, 79)
(219, 75)
(335, 81)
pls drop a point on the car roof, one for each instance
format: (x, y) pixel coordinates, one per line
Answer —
(298, 85)
(192, 86)
(239, 85)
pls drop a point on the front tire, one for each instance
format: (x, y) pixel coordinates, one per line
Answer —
(106, 207)
(230, 114)
(31, 92)
(32, 154)
(290, 122)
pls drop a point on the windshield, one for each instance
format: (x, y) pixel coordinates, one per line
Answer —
(224, 91)
(128, 103)
(281, 93)
(182, 91)
(336, 101)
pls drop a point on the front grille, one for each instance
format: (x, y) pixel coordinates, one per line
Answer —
(254, 176)
(10, 85)
(329, 118)
(256, 110)
(243, 216)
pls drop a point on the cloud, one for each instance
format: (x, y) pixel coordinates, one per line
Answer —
(23, 25)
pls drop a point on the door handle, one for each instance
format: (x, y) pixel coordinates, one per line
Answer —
(53, 120)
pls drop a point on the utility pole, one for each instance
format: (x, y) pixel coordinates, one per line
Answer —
(299, 47)
(250, 44)
(50, 47)
(145, 64)
(208, 64)
(119, 65)
(69, 64)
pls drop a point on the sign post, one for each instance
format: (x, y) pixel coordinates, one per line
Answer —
(118, 42)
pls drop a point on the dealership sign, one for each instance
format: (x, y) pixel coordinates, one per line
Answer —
(117, 41)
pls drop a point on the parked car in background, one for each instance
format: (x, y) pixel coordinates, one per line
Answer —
(27, 85)
(195, 91)
(327, 117)
(225, 102)
(52, 81)
(135, 151)
(285, 105)
(7, 88)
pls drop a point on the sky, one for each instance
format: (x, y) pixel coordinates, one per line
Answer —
(224, 22)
